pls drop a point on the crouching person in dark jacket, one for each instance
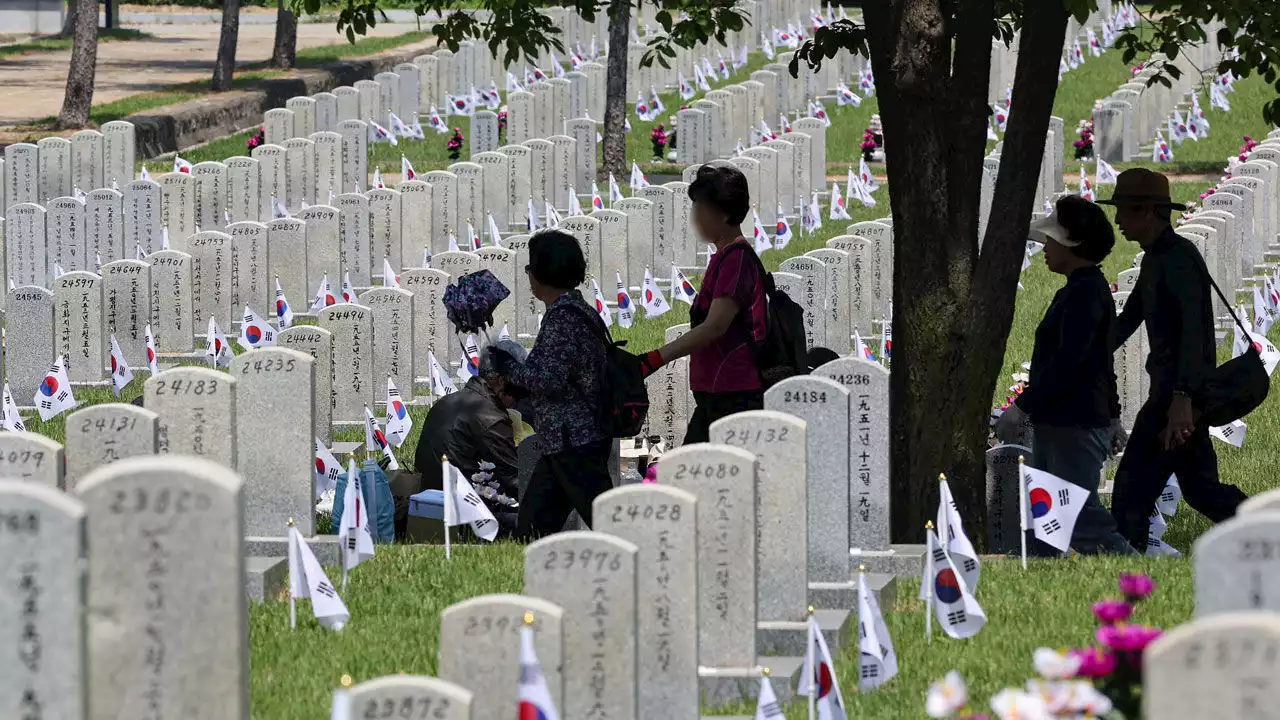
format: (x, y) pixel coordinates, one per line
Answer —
(472, 428)
(1072, 399)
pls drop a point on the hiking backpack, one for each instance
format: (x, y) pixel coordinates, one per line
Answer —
(624, 401)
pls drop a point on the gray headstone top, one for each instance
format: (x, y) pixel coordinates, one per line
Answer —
(1236, 565)
(438, 699)
(31, 456)
(1217, 666)
(102, 434)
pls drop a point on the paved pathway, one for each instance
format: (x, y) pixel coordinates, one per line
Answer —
(34, 84)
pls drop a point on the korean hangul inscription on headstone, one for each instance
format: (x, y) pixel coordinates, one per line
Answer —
(104, 225)
(64, 228)
(126, 297)
(28, 339)
(99, 435)
(318, 343)
(353, 382)
(212, 277)
(353, 232)
(251, 284)
(244, 191)
(172, 304)
(197, 408)
(77, 298)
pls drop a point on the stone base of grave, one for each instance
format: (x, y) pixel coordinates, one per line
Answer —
(788, 637)
(265, 578)
(91, 384)
(899, 560)
(726, 686)
(844, 596)
(341, 450)
(324, 546)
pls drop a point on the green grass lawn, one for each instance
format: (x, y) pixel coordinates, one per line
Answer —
(53, 43)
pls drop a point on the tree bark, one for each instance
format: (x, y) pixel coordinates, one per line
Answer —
(69, 22)
(615, 89)
(285, 52)
(225, 66)
(953, 306)
(84, 62)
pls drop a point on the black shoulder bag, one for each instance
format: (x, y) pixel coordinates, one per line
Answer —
(1238, 386)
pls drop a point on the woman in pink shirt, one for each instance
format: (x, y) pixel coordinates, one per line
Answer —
(728, 317)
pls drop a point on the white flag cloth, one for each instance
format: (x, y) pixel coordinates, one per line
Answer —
(389, 277)
(348, 292)
(121, 373)
(575, 207)
(553, 217)
(1270, 355)
(531, 218)
(398, 127)
(406, 170)
(504, 333)
(655, 101)
(953, 603)
(12, 420)
(324, 295)
(651, 298)
(254, 331)
(437, 123)
(838, 210)
(813, 215)
(877, 662)
(307, 580)
(782, 236)
(643, 110)
(379, 134)
(399, 423)
(681, 288)
(759, 236)
(615, 192)
(626, 313)
(217, 349)
(1169, 498)
(375, 441)
(818, 678)
(495, 236)
(473, 237)
(858, 190)
(1086, 190)
(471, 363)
(152, 365)
(327, 469)
(181, 166)
(1232, 433)
(353, 527)
(278, 210)
(1053, 504)
(284, 313)
(144, 175)
(767, 702)
(426, 256)
(1262, 317)
(638, 180)
(453, 243)
(601, 308)
(951, 530)
(686, 90)
(860, 348)
(535, 696)
(868, 179)
(468, 508)
(441, 383)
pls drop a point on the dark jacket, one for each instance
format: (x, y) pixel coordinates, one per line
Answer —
(1173, 298)
(468, 426)
(563, 375)
(1073, 380)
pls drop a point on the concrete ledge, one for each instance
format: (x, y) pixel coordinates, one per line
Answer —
(899, 560)
(719, 687)
(844, 596)
(182, 125)
(788, 638)
(324, 546)
(266, 578)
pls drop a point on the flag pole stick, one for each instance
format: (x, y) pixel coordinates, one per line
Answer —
(928, 598)
(1022, 507)
(447, 484)
(293, 563)
(809, 667)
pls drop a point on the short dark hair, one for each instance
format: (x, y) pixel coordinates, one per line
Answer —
(724, 187)
(1087, 224)
(555, 259)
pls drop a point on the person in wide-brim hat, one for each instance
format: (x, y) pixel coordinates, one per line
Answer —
(1172, 299)
(1140, 186)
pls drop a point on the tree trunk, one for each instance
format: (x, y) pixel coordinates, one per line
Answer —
(953, 306)
(285, 52)
(84, 63)
(224, 68)
(615, 89)
(69, 22)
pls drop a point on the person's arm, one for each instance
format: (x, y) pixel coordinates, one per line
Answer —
(719, 317)
(1185, 288)
(732, 289)
(1130, 317)
(1080, 325)
(545, 372)
(497, 438)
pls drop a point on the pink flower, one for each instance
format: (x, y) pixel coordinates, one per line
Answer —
(651, 475)
(1110, 612)
(1136, 586)
(1127, 638)
(1094, 662)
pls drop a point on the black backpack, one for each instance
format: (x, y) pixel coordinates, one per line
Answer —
(624, 402)
(783, 352)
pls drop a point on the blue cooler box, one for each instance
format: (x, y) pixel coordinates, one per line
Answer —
(426, 518)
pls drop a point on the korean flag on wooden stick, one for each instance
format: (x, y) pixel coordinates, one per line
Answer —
(327, 469)
(818, 678)
(651, 298)
(152, 364)
(398, 421)
(956, 543)
(462, 505)
(1051, 506)
(254, 331)
(767, 701)
(54, 395)
(217, 350)
(353, 526)
(877, 662)
(535, 696)
(121, 373)
(375, 441)
(307, 580)
(11, 419)
(944, 587)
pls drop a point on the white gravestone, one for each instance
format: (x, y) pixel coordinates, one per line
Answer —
(126, 297)
(104, 225)
(77, 313)
(172, 307)
(354, 385)
(197, 409)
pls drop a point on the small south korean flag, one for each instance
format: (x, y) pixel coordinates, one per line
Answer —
(441, 385)
(471, 363)
(353, 526)
(1052, 504)
(327, 469)
(651, 298)
(944, 587)
(877, 662)
(284, 313)
(348, 292)
(398, 421)
(254, 331)
(818, 678)
(375, 441)
(217, 350)
(767, 702)
(307, 580)
(10, 418)
(626, 313)
(467, 507)
(54, 396)
(681, 288)
(152, 363)
(121, 373)
(954, 540)
(601, 308)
